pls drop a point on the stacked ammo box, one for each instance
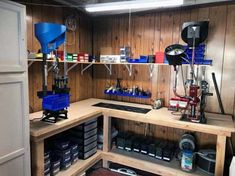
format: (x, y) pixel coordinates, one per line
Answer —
(85, 135)
(64, 149)
(61, 155)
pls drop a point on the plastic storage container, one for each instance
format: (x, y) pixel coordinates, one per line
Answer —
(142, 59)
(55, 102)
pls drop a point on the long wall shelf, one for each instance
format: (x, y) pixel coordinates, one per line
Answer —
(107, 65)
(100, 63)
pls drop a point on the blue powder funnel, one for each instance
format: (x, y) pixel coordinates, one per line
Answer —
(50, 36)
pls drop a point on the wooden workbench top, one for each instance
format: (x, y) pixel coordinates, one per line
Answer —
(83, 110)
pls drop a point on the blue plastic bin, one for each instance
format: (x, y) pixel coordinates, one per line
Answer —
(127, 94)
(142, 59)
(55, 102)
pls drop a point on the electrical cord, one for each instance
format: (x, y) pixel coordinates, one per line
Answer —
(187, 60)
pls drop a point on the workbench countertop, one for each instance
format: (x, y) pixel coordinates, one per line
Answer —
(81, 111)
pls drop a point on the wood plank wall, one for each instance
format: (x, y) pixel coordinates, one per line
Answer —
(80, 41)
(153, 32)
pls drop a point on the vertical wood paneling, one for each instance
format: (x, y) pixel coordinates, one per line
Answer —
(36, 75)
(29, 23)
(156, 45)
(228, 81)
(165, 40)
(215, 51)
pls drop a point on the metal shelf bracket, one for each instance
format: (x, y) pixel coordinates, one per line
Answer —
(70, 68)
(30, 63)
(84, 69)
(49, 69)
(129, 68)
(109, 68)
(151, 68)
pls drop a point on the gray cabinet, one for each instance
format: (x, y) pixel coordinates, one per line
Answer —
(14, 121)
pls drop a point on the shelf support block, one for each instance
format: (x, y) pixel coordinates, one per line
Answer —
(129, 68)
(151, 68)
(84, 69)
(109, 68)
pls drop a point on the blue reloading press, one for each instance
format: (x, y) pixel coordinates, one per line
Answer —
(56, 101)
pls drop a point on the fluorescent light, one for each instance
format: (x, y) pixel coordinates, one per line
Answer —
(135, 4)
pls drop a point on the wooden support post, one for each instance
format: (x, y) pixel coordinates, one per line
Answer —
(220, 155)
(106, 137)
(37, 153)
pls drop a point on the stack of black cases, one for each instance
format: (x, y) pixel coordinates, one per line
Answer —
(47, 163)
(85, 135)
(157, 148)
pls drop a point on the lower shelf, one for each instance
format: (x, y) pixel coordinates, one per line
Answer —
(147, 163)
(81, 165)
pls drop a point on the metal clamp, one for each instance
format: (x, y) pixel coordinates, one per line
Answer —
(129, 68)
(151, 68)
(109, 68)
(84, 69)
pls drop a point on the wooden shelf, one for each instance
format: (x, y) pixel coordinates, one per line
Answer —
(147, 163)
(107, 63)
(40, 60)
(99, 63)
(81, 165)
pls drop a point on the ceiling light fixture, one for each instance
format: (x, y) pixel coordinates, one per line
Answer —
(135, 4)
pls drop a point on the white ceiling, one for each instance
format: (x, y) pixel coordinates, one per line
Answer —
(80, 4)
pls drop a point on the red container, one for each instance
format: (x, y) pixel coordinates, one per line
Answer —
(60, 54)
(81, 57)
(159, 57)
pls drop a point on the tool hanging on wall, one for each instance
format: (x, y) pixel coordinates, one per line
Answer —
(71, 26)
(193, 33)
(56, 101)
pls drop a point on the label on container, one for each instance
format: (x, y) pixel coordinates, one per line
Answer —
(143, 151)
(187, 161)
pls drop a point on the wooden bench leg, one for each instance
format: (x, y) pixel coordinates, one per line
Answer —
(105, 164)
(107, 133)
(220, 155)
(106, 137)
(37, 153)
